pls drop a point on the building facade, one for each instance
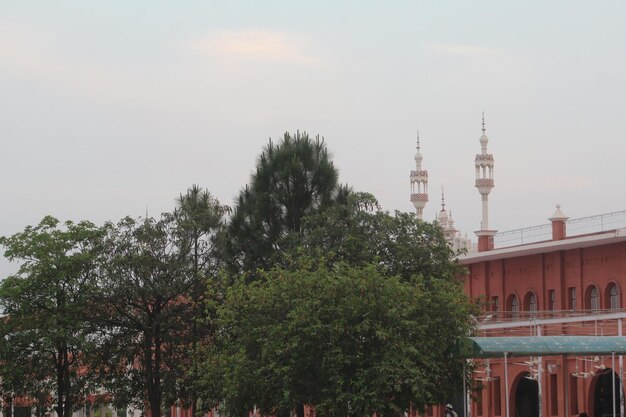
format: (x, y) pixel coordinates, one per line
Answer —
(568, 285)
(562, 278)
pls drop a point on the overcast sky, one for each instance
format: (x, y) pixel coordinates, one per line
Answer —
(113, 108)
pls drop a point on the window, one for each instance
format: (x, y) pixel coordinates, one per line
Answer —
(551, 300)
(592, 298)
(495, 394)
(513, 306)
(573, 395)
(495, 304)
(554, 396)
(531, 302)
(571, 302)
(613, 296)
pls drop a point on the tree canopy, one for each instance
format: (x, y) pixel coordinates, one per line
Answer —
(360, 314)
(46, 334)
(292, 180)
(359, 232)
(147, 310)
(345, 339)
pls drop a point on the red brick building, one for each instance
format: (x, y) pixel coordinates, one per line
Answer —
(562, 278)
(568, 285)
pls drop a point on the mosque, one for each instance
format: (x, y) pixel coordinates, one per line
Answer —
(563, 278)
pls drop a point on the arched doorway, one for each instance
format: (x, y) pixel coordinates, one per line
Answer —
(527, 397)
(604, 396)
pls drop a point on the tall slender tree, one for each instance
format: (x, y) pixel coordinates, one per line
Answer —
(199, 217)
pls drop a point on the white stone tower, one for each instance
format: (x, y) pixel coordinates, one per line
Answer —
(419, 183)
(484, 184)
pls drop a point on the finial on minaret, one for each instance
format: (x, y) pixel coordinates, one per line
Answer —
(419, 183)
(484, 122)
(443, 200)
(442, 217)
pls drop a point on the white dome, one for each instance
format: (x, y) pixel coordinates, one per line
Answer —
(418, 157)
(484, 140)
(443, 217)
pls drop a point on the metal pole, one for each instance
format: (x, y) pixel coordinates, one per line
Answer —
(621, 373)
(613, 380)
(566, 381)
(539, 378)
(464, 391)
(506, 383)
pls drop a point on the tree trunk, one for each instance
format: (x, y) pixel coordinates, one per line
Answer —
(60, 374)
(67, 386)
(300, 410)
(152, 352)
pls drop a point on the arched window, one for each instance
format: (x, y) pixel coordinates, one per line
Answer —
(612, 294)
(513, 306)
(530, 302)
(595, 299)
(592, 298)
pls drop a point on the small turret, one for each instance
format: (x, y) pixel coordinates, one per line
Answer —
(559, 221)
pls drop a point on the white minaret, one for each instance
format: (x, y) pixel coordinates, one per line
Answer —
(445, 220)
(484, 184)
(419, 183)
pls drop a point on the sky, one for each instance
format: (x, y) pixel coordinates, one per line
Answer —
(115, 108)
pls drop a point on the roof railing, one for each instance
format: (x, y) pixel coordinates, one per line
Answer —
(578, 226)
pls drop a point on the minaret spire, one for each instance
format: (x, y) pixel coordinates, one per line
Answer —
(483, 122)
(419, 183)
(484, 183)
(443, 200)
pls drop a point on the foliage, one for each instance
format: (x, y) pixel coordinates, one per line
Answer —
(359, 233)
(46, 337)
(293, 179)
(146, 310)
(199, 219)
(346, 339)
(199, 216)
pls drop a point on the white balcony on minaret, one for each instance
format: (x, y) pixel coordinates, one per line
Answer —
(419, 184)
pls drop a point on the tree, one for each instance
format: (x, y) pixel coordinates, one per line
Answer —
(293, 179)
(280, 338)
(46, 337)
(345, 339)
(146, 310)
(359, 232)
(199, 219)
(199, 216)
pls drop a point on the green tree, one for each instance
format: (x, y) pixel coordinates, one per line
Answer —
(146, 310)
(293, 179)
(359, 232)
(346, 339)
(46, 337)
(199, 218)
